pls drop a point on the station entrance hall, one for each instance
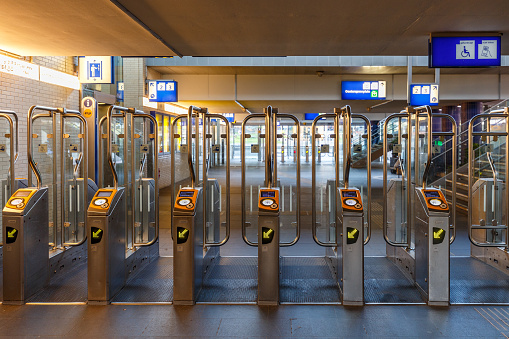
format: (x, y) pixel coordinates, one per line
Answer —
(196, 169)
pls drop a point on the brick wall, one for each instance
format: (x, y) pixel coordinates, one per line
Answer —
(18, 94)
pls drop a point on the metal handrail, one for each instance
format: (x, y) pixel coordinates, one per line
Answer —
(243, 175)
(16, 155)
(313, 178)
(100, 162)
(408, 178)
(172, 163)
(454, 166)
(503, 114)
(64, 113)
(143, 115)
(418, 110)
(11, 155)
(108, 138)
(227, 235)
(29, 141)
(297, 124)
(189, 139)
(368, 165)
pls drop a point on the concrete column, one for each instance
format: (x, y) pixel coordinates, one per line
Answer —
(134, 82)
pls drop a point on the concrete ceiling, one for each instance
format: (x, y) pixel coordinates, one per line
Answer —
(312, 70)
(240, 28)
(63, 27)
(303, 27)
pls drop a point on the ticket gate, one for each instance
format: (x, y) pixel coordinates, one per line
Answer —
(188, 245)
(123, 216)
(196, 211)
(344, 220)
(417, 221)
(28, 264)
(106, 247)
(432, 245)
(268, 246)
(350, 229)
(26, 261)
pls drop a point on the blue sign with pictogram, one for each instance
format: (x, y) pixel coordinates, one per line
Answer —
(120, 91)
(465, 51)
(424, 94)
(363, 90)
(162, 91)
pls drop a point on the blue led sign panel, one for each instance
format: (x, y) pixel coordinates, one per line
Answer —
(162, 91)
(423, 94)
(363, 90)
(475, 51)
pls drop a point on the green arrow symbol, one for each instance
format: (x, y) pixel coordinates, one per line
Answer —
(12, 233)
(438, 234)
(97, 234)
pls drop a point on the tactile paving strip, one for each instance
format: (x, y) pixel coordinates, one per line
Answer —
(231, 280)
(474, 282)
(385, 283)
(307, 280)
(70, 286)
(153, 284)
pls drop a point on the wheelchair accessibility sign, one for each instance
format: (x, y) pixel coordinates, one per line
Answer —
(465, 49)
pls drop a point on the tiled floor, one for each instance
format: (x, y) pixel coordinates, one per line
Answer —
(243, 321)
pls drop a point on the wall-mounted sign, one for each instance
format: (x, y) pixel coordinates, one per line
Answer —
(465, 51)
(120, 91)
(311, 116)
(53, 77)
(363, 90)
(19, 67)
(96, 70)
(162, 91)
(424, 94)
(28, 70)
(229, 116)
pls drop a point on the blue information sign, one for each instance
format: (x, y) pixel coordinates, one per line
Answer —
(162, 91)
(424, 94)
(363, 90)
(120, 91)
(464, 51)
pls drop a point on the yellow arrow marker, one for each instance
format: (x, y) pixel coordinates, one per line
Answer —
(352, 234)
(268, 234)
(438, 234)
(183, 234)
(97, 234)
(12, 233)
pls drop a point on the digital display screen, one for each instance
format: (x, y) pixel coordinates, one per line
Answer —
(268, 194)
(349, 194)
(187, 194)
(22, 193)
(104, 194)
(431, 194)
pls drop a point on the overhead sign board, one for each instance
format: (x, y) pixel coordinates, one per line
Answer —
(424, 94)
(96, 70)
(229, 116)
(120, 91)
(162, 91)
(464, 51)
(363, 90)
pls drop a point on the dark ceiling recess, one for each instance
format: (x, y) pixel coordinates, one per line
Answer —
(312, 28)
